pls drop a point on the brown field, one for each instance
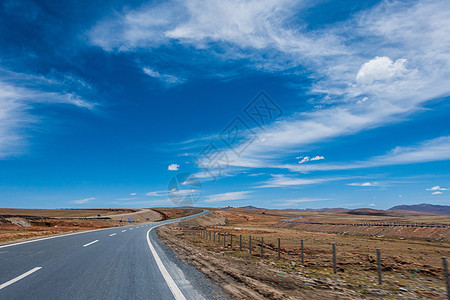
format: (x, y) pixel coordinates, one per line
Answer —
(63, 213)
(20, 224)
(411, 257)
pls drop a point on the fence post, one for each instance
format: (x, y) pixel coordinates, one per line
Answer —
(303, 256)
(262, 247)
(231, 241)
(379, 266)
(214, 236)
(447, 282)
(224, 239)
(279, 256)
(334, 258)
(218, 238)
(240, 242)
(250, 243)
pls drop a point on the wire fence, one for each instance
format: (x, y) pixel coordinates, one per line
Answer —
(268, 247)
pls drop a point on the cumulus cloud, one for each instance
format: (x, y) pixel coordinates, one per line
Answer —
(83, 201)
(173, 167)
(230, 196)
(437, 188)
(304, 159)
(436, 193)
(380, 68)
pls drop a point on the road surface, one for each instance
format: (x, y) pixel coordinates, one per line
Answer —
(114, 263)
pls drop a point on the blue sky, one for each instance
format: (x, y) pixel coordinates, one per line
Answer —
(277, 104)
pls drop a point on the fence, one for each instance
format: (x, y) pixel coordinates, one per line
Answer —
(249, 244)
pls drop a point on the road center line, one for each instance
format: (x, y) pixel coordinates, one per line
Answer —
(19, 277)
(123, 230)
(169, 280)
(112, 234)
(93, 242)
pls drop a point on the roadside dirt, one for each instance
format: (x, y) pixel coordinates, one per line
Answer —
(412, 268)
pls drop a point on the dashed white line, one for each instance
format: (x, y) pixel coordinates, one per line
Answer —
(112, 234)
(123, 230)
(19, 277)
(169, 280)
(93, 242)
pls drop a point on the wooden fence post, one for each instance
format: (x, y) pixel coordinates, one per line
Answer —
(224, 239)
(447, 282)
(231, 241)
(303, 256)
(379, 266)
(240, 242)
(262, 247)
(279, 255)
(250, 242)
(334, 258)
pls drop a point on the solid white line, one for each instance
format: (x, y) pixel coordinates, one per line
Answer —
(93, 242)
(112, 234)
(169, 280)
(19, 277)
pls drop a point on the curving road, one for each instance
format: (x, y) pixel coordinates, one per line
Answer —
(114, 263)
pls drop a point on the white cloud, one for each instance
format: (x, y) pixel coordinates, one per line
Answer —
(372, 204)
(437, 188)
(19, 93)
(157, 194)
(427, 151)
(380, 68)
(133, 194)
(317, 158)
(358, 66)
(230, 196)
(83, 201)
(295, 202)
(165, 78)
(436, 193)
(278, 180)
(362, 184)
(173, 167)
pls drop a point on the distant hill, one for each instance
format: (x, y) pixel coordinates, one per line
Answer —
(251, 207)
(425, 208)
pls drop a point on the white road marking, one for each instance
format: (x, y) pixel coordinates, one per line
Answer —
(19, 277)
(52, 237)
(169, 280)
(112, 234)
(123, 230)
(93, 242)
(131, 228)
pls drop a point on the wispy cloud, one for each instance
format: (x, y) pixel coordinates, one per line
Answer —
(165, 78)
(19, 93)
(278, 180)
(230, 196)
(363, 184)
(437, 193)
(83, 201)
(296, 202)
(157, 194)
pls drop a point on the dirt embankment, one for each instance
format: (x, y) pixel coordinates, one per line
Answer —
(434, 234)
(168, 213)
(246, 278)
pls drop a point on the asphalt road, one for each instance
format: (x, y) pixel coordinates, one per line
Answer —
(114, 263)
